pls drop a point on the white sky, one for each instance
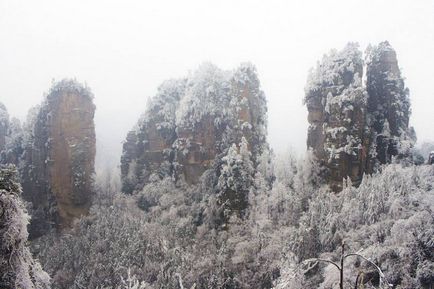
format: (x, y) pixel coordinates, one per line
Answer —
(125, 49)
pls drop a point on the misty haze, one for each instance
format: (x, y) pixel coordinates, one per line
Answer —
(216, 144)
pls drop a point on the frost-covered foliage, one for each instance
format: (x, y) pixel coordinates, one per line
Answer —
(131, 282)
(13, 148)
(170, 234)
(69, 85)
(389, 218)
(4, 116)
(18, 269)
(4, 127)
(236, 178)
(335, 70)
(208, 91)
(11, 138)
(162, 108)
(101, 248)
(166, 235)
(16, 138)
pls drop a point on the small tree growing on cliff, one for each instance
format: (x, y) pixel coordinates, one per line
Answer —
(18, 269)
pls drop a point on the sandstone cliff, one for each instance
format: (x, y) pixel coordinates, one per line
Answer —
(56, 152)
(192, 122)
(356, 126)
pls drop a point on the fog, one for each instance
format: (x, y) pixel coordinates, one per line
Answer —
(125, 49)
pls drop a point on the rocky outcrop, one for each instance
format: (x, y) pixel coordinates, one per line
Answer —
(191, 123)
(350, 122)
(56, 162)
(388, 104)
(336, 102)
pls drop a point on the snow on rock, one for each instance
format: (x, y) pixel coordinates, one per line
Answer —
(354, 127)
(388, 104)
(193, 121)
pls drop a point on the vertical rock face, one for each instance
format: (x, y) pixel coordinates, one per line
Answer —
(336, 102)
(57, 158)
(191, 121)
(388, 103)
(350, 123)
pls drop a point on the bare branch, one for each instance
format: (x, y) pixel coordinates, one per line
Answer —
(323, 260)
(382, 276)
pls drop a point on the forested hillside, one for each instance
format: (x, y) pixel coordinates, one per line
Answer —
(168, 233)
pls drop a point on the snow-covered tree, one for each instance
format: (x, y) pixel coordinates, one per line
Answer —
(236, 178)
(388, 217)
(336, 100)
(4, 125)
(13, 149)
(18, 269)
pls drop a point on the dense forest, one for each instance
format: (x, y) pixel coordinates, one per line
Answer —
(200, 200)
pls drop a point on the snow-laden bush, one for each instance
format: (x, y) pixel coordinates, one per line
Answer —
(388, 217)
(18, 269)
